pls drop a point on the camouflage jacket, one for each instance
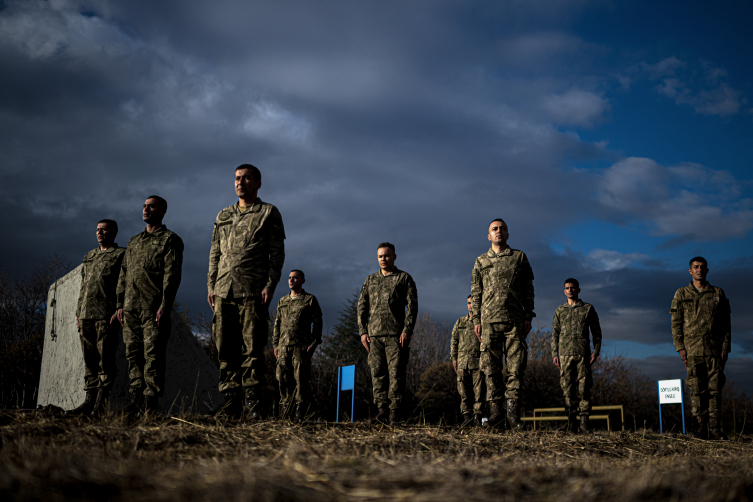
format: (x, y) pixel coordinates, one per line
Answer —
(570, 330)
(383, 302)
(248, 251)
(294, 320)
(502, 288)
(99, 280)
(465, 347)
(701, 321)
(151, 271)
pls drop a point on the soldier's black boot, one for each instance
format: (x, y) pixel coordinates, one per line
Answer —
(283, 412)
(701, 428)
(395, 417)
(253, 404)
(572, 424)
(496, 415)
(233, 405)
(100, 403)
(715, 429)
(467, 420)
(381, 416)
(151, 404)
(477, 422)
(298, 413)
(584, 429)
(513, 415)
(136, 405)
(86, 407)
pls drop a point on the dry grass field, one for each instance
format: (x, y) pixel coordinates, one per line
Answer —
(198, 458)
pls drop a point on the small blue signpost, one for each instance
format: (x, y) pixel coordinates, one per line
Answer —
(671, 392)
(346, 380)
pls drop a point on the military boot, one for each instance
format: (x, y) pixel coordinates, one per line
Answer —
(715, 429)
(496, 416)
(467, 420)
(298, 413)
(233, 405)
(100, 404)
(571, 425)
(701, 428)
(477, 421)
(252, 404)
(513, 415)
(151, 404)
(395, 418)
(86, 407)
(381, 416)
(584, 429)
(136, 405)
(283, 412)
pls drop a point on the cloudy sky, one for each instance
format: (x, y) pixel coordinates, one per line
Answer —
(615, 138)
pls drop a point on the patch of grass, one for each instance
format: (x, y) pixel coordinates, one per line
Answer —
(198, 458)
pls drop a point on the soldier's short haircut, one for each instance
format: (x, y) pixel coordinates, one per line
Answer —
(303, 276)
(572, 281)
(162, 202)
(496, 219)
(699, 259)
(254, 171)
(387, 245)
(467, 297)
(112, 223)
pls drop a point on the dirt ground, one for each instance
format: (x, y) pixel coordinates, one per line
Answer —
(197, 458)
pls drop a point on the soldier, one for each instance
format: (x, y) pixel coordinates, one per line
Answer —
(502, 300)
(147, 285)
(465, 355)
(701, 331)
(96, 305)
(295, 341)
(245, 264)
(386, 330)
(571, 352)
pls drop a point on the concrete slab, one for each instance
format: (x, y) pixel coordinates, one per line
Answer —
(191, 377)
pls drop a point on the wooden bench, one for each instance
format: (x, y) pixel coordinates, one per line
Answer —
(538, 415)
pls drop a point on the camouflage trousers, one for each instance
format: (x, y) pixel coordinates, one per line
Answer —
(146, 350)
(99, 341)
(472, 390)
(293, 370)
(500, 341)
(576, 382)
(388, 362)
(240, 333)
(706, 380)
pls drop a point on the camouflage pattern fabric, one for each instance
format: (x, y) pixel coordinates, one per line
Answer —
(502, 288)
(701, 326)
(151, 271)
(293, 375)
(383, 303)
(298, 321)
(248, 251)
(500, 342)
(472, 390)
(388, 362)
(146, 350)
(576, 382)
(706, 380)
(464, 345)
(99, 341)
(570, 328)
(99, 281)
(240, 334)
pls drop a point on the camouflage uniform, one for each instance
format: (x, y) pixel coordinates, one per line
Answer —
(96, 305)
(502, 300)
(464, 349)
(148, 281)
(701, 327)
(382, 314)
(570, 342)
(248, 251)
(298, 326)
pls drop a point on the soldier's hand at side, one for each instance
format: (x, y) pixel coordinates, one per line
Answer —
(266, 296)
(477, 330)
(310, 350)
(117, 315)
(276, 354)
(365, 340)
(404, 340)
(78, 322)
(593, 358)
(556, 361)
(684, 357)
(455, 366)
(159, 315)
(210, 299)
(527, 326)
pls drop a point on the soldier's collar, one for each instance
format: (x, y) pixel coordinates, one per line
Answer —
(254, 207)
(395, 271)
(161, 228)
(506, 252)
(577, 304)
(299, 295)
(110, 249)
